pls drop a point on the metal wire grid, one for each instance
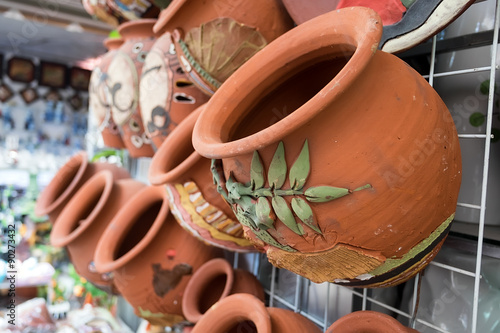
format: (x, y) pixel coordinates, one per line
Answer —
(255, 262)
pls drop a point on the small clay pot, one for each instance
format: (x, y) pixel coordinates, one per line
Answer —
(152, 258)
(124, 72)
(246, 313)
(66, 182)
(214, 281)
(83, 220)
(194, 200)
(368, 322)
(98, 99)
(167, 96)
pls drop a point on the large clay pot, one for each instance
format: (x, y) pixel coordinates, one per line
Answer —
(151, 256)
(194, 200)
(83, 220)
(214, 281)
(124, 72)
(98, 97)
(167, 96)
(368, 322)
(66, 182)
(344, 165)
(246, 313)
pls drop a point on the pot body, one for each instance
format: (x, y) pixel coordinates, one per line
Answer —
(124, 72)
(167, 96)
(335, 187)
(370, 322)
(151, 256)
(68, 180)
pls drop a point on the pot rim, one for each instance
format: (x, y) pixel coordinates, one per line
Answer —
(113, 43)
(307, 40)
(46, 203)
(162, 169)
(68, 227)
(364, 320)
(114, 235)
(142, 28)
(167, 14)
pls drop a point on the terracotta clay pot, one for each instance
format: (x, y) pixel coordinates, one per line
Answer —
(167, 96)
(98, 97)
(151, 256)
(134, 9)
(246, 313)
(368, 322)
(335, 187)
(83, 220)
(194, 200)
(214, 281)
(124, 72)
(66, 182)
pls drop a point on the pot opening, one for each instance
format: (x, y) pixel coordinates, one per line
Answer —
(88, 206)
(246, 326)
(65, 179)
(139, 229)
(212, 292)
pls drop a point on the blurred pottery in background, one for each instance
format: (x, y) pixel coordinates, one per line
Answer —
(101, 10)
(134, 9)
(368, 321)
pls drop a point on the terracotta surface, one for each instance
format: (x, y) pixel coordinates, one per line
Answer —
(214, 281)
(343, 165)
(81, 223)
(246, 313)
(194, 200)
(166, 94)
(66, 182)
(124, 72)
(151, 256)
(368, 322)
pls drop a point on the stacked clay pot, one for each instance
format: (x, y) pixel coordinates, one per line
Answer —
(152, 258)
(214, 281)
(124, 72)
(81, 223)
(68, 180)
(344, 165)
(369, 322)
(98, 97)
(194, 200)
(246, 313)
(167, 96)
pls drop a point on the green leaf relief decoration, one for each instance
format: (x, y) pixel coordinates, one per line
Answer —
(300, 169)
(257, 172)
(285, 215)
(305, 213)
(277, 170)
(263, 210)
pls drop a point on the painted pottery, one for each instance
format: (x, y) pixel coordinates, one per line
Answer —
(214, 38)
(67, 181)
(124, 72)
(151, 256)
(194, 200)
(335, 187)
(214, 281)
(134, 9)
(368, 322)
(166, 94)
(98, 97)
(246, 313)
(83, 220)
(102, 11)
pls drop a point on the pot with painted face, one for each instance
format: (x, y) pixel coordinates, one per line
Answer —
(344, 165)
(369, 322)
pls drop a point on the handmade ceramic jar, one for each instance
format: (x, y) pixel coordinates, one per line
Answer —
(68, 180)
(98, 97)
(246, 313)
(369, 322)
(124, 72)
(167, 96)
(81, 223)
(152, 258)
(194, 200)
(344, 165)
(214, 281)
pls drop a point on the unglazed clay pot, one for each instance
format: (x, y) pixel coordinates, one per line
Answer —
(83, 220)
(167, 96)
(194, 200)
(368, 322)
(124, 72)
(246, 313)
(134, 9)
(66, 182)
(151, 256)
(344, 165)
(214, 38)
(214, 281)
(98, 97)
